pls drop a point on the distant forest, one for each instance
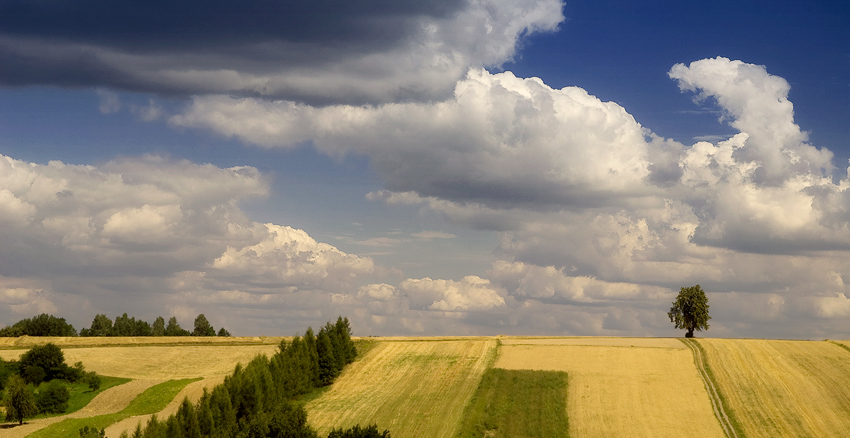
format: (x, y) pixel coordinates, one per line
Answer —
(49, 325)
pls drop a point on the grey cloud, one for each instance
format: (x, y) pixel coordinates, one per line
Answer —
(319, 52)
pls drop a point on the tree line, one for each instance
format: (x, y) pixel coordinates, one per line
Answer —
(259, 399)
(49, 325)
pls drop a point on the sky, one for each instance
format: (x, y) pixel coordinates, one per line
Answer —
(431, 167)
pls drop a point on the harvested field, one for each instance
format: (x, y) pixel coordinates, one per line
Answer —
(783, 388)
(161, 362)
(619, 390)
(68, 342)
(597, 341)
(414, 389)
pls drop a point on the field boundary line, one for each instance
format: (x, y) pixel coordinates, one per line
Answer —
(839, 344)
(713, 392)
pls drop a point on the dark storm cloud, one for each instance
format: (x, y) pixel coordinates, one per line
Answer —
(158, 25)
(318, 52)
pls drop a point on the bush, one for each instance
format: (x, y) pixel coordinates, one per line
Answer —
(34, 374)
(51, 360)
(92, 380)
(92, 432)
(358, 432)
(53, 398)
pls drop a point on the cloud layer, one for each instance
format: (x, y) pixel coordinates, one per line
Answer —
(317, 52)
(594, 209)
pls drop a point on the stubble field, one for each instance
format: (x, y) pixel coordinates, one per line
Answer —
(412, 388)
(419, 387)
(622, 386)
(784, 388)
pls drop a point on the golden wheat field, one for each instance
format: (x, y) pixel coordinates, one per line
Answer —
(413, 388)
(69, 342)
(784, 388)
(419, 387)
(623, 387)
(160, 362)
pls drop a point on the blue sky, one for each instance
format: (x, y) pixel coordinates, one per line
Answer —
(273, 166)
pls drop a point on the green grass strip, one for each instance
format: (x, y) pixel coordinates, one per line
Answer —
(81, 395)
(840, 345)
(150, 401)
(724, 402)
(518, 404)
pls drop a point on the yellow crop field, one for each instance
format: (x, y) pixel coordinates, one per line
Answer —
(598, 341)
(160, 362)
(69, 342)
(413, 388)
(651, 389)
(783, 388)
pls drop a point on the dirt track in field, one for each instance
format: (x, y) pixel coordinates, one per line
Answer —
(193, 391)
(107, 402)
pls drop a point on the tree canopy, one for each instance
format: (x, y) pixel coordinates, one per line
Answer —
(19, 400)
(690, 310)
(40, 325)
(203, 327)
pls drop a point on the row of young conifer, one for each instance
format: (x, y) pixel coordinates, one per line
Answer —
(258, 400)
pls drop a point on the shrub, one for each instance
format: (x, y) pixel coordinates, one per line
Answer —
(92, 380)
(53, 398)
(358, 432)
(92, 432)
(34, 374)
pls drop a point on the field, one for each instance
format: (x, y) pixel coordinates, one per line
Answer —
(784, 388)
(412, 388)
(148, 364)
(518, 404)
(617, 389)
(160, 362)
(427, 387)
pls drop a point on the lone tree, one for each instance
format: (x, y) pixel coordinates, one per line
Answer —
(690, 310)
(19, 400)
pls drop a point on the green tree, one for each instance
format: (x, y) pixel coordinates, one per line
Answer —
(19, 400)
(92, 380)
(101, 325)
(53, 398)
(223, 332)
(158, 328)
(41, 325)
(92, 432)
(123, 325)
(328, 364)
(690, 310)
(50, 359)
(173, 328)
(203, 327)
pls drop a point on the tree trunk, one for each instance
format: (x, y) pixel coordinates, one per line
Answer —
(690, 333)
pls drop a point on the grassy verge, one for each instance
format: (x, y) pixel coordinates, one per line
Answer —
(518, 403)
(363, 346)
(841, 345)
(81, 395)
(150, 401)
(724, 402)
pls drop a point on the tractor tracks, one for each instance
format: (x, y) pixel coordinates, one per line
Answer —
(713, 392)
